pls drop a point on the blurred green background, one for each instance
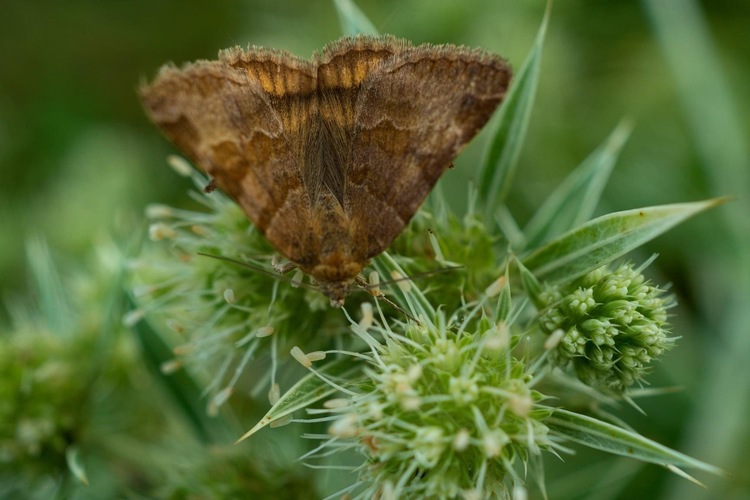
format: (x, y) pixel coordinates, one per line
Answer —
(79, 159)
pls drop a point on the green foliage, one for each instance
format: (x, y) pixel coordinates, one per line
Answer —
(474, 376)
(606, 238)
(445, 404)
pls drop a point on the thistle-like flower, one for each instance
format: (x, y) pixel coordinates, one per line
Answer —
(608, 324)
(436, 238)
(444, 409)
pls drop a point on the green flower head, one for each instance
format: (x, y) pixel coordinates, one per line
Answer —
(608, 324)
(444, 410)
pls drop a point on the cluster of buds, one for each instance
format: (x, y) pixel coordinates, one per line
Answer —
(608, 324)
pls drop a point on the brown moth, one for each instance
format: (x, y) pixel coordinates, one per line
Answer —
(329, 158)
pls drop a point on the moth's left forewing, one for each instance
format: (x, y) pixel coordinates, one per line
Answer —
(240, 119)
(414, 113)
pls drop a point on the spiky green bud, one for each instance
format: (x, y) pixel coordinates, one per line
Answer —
(613, 324)
(443, 412)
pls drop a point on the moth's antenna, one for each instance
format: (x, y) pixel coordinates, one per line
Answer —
(416, 276)
(260, 270)
(373, 287)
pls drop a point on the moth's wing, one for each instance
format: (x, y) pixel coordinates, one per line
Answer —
(414, 113)
(240, 119)
(342, 67)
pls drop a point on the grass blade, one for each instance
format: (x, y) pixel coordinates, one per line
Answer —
(606, 437)
(308, 390)
(575, 200)
(509, 131)
(606, 238)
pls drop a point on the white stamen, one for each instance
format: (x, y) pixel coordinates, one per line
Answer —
(160, 231)
(183, 350)
(493, 443)
(158, 211)
(300, 356)
(345, 427)
(333, 404)
(496, 287)
(389, 491)
(180, 165)
(367, 316)
(274, 394)
(169, 367)
(374, 280)
(403, 284)
(316, 356)
(264, 331)
(554, 339)
(297, 278)
(414, 372)
(461, 441)
(498, 338)
(219, 399)
(519, 492)
(521, 404)
(133, 317)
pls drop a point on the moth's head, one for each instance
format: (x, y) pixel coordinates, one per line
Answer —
(336, 291)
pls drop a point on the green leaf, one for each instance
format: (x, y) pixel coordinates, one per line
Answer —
(575, 200)
(509, 130)
(352, 20)
(606, 238)
(185, 391)
(308, 390)
(604, 436)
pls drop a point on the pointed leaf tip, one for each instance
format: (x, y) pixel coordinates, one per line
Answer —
(573, 202)
(308, 390)
(607, 238)
(509, 130)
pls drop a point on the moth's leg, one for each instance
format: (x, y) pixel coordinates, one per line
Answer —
(210, 187)
(282, 267)
(372, 289)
